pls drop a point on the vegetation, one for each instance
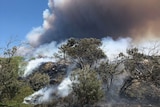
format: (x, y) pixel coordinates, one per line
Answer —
(86, 86)
(133, 75)
(11, 88)
(83, 51)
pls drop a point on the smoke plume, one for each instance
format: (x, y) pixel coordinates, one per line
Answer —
(97, 18)
(33, 64)
(39, 97)
(47, 94)
(113, 47)
(115, 22)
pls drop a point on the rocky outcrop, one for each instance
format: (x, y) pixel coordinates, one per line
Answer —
(56, 71)
(143, 83)
(143, 91)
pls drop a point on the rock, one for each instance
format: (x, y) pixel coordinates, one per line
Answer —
(56, 71)
(144, 92)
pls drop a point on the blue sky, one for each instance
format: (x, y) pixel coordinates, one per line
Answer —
(18, 17)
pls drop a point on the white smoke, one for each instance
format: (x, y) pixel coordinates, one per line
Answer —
(109, 46)
(46, 50)
(41, 96)
(64, 89)
(112, 48)
(24, 51)
(150, 47)
(47, 94)
(33, 64)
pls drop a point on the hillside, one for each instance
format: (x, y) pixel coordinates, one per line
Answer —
(82, 75)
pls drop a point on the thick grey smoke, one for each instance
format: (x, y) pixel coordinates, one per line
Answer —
(97, 18)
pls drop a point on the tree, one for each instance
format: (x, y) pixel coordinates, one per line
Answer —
(9, 84)
(142, 68)
(111, 74)
(106, 72)
(86, 86)
(83, 51)
(6, 74)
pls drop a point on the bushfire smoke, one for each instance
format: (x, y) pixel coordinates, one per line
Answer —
(115, 22)
(33, 64)
(97, 18)
(47, 94)
(39, 97)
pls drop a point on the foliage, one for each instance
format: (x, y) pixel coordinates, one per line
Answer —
(142, 74)
(141, 90)
(106, 72)
(12, 90)
(141, 66)
(17, 101)
(9, 74)
(83, 51)
(86, 86)
(144, 70)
